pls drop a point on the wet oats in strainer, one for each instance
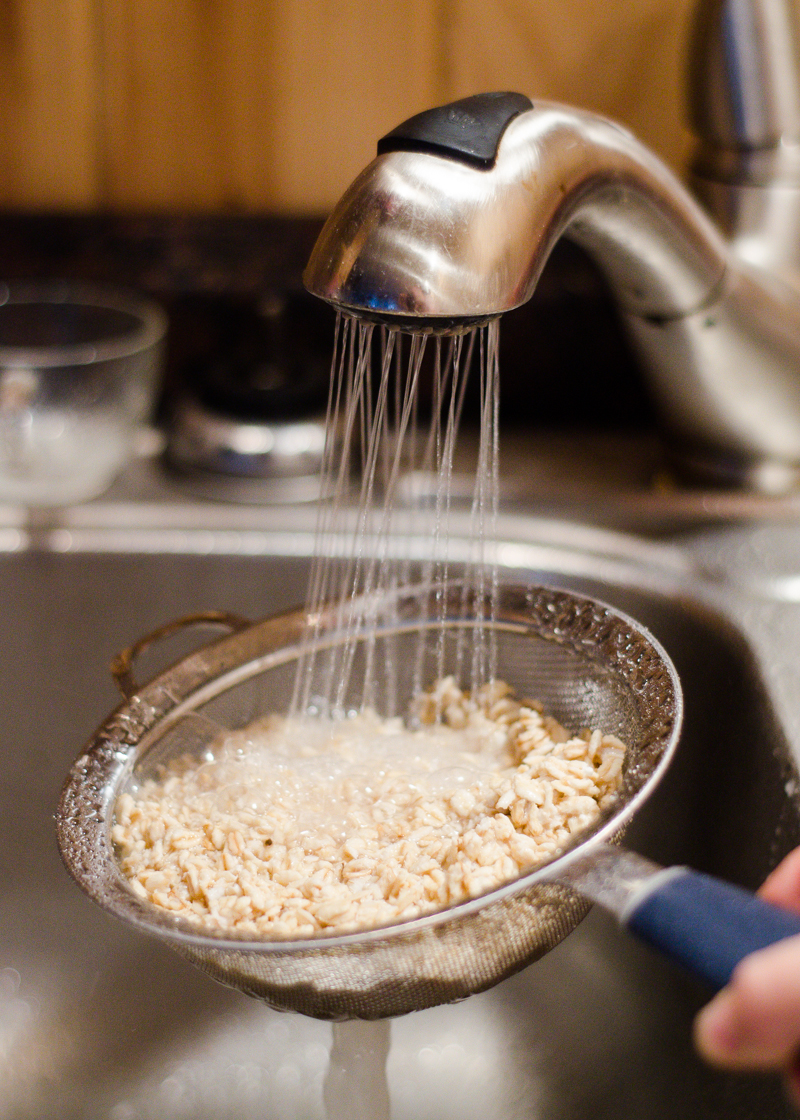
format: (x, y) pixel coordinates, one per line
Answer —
(294, 826)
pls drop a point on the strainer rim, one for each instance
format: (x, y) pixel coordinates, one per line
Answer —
(113, 893)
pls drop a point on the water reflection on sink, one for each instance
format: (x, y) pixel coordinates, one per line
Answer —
(98, 1022)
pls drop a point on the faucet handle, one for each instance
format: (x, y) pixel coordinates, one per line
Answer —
(744, 77)
(744, 95)
(469, 130)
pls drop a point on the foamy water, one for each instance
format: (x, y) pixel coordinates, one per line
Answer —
(331, 773)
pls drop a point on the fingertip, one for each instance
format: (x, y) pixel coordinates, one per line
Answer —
(715, 1034)
(782, 886)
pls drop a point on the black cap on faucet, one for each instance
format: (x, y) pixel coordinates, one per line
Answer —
(469, 130)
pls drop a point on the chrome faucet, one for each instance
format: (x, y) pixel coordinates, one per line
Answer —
(452, 223)
(744, 101)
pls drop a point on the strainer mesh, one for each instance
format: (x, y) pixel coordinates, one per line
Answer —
(588, 665)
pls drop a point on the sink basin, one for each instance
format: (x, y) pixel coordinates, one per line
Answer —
(100, 1023)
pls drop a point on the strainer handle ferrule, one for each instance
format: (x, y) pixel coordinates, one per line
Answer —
(121, 667)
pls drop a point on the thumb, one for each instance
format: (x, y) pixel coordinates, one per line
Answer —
(754, 1023)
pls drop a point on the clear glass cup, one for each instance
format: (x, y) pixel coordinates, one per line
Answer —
(79, 367)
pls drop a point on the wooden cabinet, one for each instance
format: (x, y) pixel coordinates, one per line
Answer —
(274, 105)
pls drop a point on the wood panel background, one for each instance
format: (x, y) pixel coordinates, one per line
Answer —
(274, 105)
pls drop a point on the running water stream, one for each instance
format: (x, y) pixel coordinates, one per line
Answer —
(393, 530)
(356, 1086)
(387, 478)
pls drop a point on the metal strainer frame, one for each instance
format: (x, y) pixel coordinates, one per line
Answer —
(437, 958)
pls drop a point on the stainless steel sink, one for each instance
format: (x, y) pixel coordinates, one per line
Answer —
(98, 1023)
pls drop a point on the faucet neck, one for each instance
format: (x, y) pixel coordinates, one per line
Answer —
(664, 258)
(427, 236)
(421, 237)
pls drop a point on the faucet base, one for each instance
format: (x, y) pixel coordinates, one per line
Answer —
(725, 380)
(762, 220)
(770, 477)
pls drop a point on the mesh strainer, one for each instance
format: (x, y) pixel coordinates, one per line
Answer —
(588, 665)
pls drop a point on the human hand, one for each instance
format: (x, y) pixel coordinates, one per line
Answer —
(754, 1022)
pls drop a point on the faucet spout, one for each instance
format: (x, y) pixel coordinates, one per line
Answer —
(428, 239)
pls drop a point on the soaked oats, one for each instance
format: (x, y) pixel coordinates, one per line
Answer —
(295, 827)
